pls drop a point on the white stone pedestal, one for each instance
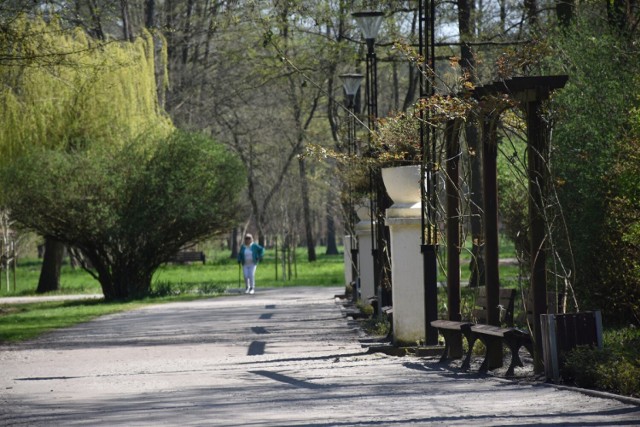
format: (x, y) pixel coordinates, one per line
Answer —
(348, 270)
(406, 274)
(365, 260)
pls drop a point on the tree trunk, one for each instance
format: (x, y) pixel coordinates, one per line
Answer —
(127, 29)
(234, 243)
(617, 14)
(304, 189)
(332, 247)
(95, 20)
(149, 13)
(564, 11)
(187, 33)
(531, 7)
(51, 263)
(414, 76)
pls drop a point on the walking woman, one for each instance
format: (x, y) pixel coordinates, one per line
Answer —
(249, 256)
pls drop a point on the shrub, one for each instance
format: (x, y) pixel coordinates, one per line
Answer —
(130, 209)
(616, 368)
(366, 309)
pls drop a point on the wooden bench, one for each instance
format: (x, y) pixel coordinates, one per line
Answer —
(513, 338)
(472, 330)
(453, 331)
(184, 257)
(494, 336)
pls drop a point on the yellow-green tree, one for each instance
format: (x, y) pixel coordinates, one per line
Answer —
(61, 89)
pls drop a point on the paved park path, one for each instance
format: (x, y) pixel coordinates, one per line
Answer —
(278, 358)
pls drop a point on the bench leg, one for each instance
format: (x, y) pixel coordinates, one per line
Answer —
(515, 358)
(450, 344)
(493, 353)
(514, 345)
(445, 353)
(471, 341)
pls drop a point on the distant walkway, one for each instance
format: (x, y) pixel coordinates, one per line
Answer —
(282, 357)
(44, 298)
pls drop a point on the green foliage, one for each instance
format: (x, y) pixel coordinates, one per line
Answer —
(164, 289)
(128, 210)
(596, 162)
(377, 327)
(616, 368)
(514, 195)
(365, 308)
(397, 140)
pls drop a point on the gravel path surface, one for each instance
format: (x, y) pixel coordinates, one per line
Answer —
(29, 300)
(279, 357)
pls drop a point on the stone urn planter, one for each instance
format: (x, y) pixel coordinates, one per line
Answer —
(403, 186)
(363, 210)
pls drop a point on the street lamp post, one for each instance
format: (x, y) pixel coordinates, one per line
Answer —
(429, 245)
(369, 23)
(351, 85)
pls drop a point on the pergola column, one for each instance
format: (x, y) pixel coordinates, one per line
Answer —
(537, 153)
(491, 248)
(452, 132)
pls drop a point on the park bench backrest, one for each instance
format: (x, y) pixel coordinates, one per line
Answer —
(506, 300)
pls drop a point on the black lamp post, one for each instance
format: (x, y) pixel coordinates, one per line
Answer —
(369, 23)
(429, 245)
(351, 85)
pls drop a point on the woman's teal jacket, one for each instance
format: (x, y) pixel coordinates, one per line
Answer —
(256, 250)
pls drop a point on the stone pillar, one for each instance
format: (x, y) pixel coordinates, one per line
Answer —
(405, 224)
(406, 276)
(365, 260)
(348, 271)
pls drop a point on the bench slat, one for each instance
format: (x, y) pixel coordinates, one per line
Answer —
(188, 256)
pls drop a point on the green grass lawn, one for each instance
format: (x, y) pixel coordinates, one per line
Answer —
(220, 271)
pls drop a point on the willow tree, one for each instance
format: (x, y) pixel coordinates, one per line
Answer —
(61, 90)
